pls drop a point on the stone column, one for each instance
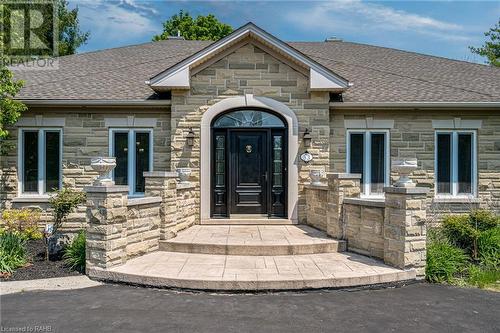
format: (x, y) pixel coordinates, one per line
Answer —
(164, 185)
(340, 186)
(404, 228)
(106, 230)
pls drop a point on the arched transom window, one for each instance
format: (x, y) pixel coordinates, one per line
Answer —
(248, 118)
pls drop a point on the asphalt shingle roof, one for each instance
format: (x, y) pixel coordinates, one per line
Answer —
(379, 74)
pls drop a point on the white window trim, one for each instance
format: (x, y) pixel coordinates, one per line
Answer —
(366, 187)
(131, 154)
(454, 160)
(41, 160)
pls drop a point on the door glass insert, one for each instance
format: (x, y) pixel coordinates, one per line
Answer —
(277, 160)
(248, 118)
(220, 160)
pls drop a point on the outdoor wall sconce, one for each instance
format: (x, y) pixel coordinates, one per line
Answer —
(190, 137)
(307, 138)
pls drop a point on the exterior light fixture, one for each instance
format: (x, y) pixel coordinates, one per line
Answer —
(190, 137)
(307, 138)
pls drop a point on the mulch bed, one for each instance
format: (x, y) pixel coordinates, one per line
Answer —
(38, 267)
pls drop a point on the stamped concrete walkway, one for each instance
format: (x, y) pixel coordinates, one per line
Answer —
(252, 257)
(252, 240)
(229, 272)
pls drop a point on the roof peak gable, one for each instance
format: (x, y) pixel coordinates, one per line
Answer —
(178, 75)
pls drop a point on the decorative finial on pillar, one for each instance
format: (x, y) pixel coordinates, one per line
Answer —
(103, 166)
(404, 168)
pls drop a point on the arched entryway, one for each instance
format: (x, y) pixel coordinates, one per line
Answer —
(249, 164)
(248, 159)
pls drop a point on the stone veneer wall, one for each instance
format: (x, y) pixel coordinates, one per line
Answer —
(413, 137)
(85, 136)
(143, 226)
(364, 226)
(392, 229)
(250, 70)
(180, 202)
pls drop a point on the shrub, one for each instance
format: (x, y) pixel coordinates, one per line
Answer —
(12, 252)
(483, 277)
(444, 261)
(484, 220)
(65, 202)
(488, 246)
(74, 254)
(464, 230)
(23, 222)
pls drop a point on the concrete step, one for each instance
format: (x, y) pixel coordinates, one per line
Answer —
(248, 221)
(227, 272)
(259, 240)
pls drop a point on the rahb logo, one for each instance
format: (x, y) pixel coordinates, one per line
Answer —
(29, 34)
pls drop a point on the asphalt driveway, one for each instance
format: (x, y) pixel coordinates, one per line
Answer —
(117, 308)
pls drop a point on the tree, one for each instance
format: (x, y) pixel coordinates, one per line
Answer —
(10, 109)
(491, 48)
(70, 35)
(201, 28)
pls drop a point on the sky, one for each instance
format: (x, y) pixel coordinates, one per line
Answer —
(441, 28)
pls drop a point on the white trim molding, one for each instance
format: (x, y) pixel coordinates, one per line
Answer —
(178, 76)
(454, 158)
(366, 188)
(368, 123)
(293, 147)
(41, 163)
(457, 123)
(41, 121)
(130, 121)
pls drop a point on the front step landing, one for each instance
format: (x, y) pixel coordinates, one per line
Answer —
(258, 240)
(227, 272)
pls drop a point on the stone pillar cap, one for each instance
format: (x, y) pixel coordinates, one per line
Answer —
(406, 190)
(160, 174)
(106, 189)
(343, 175)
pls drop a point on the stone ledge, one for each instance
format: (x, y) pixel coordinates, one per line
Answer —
(365, 202)
(160, 174)
(338, 175)
(143, 201)
(34, 199)
(406, 190)
(185, 186)
(106, 189)
(323, 187)
(456, 200)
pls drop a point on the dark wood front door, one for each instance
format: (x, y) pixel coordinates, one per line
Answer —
(249, 172)
(248, 169)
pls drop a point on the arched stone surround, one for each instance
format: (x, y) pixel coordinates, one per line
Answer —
(293, 146)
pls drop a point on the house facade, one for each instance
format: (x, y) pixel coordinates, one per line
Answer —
(250, 116)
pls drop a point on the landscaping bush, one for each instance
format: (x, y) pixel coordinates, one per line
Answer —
(444, 261)
(483, 277)
(23, 222)
(12, 252)
(488, 246)
(74, 254)
(465, 230)
(465, 250)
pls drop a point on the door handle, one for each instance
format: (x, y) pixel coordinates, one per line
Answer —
(265, 176)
